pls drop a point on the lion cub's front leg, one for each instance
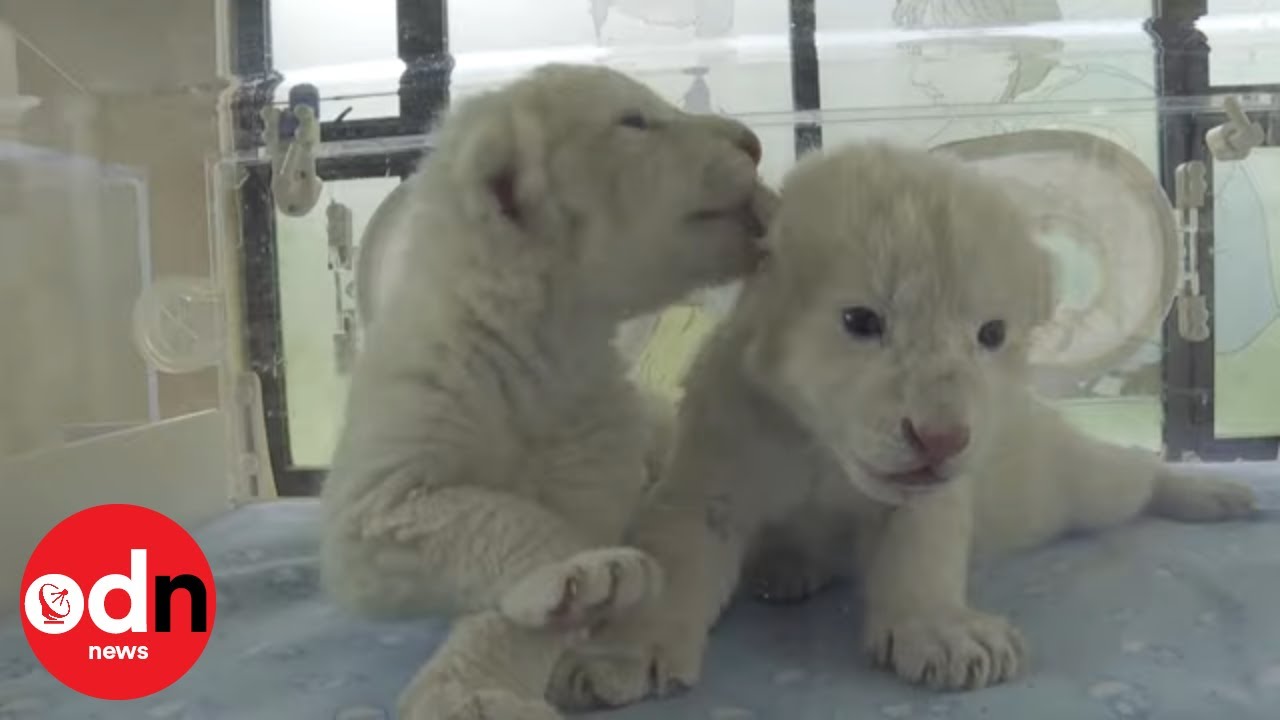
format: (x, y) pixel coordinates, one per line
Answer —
(919, 624)
(658, 647)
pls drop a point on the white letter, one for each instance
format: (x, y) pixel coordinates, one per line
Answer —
(135, 586)
(142, 652)
(95, 650)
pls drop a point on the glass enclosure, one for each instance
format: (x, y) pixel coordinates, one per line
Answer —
(190, 236)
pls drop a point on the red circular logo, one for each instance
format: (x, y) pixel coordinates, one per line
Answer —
(118, 602)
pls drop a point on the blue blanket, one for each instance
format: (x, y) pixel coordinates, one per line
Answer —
(1155, 620)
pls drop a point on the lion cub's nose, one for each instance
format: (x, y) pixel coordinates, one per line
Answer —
(750, 144)
(937, 443)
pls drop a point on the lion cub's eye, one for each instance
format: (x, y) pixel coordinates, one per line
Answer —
(991, 334)
(634, 120)
(862, 323)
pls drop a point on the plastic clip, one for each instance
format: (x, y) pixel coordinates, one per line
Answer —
(1234, 139)
(294, 182)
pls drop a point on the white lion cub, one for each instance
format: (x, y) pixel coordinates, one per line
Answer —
(493, 449)
(866, 405)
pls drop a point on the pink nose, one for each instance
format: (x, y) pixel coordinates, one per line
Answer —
(936, 443)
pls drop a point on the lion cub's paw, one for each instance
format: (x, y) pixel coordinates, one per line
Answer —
(583, 590)
(957, 650)
(614, 675)
(584, 681)
(1192, 498)
(449, 703)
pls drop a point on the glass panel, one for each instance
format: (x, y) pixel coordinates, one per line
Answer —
(907, 53)
(76, 257)
(350, 55)
(316, 342)
(1246, 291)
(1244, 37)
(708, 56)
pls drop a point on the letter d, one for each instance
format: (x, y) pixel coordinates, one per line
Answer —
(135, 586)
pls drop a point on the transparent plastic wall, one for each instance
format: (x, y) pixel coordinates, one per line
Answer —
(111, 336)
(74, 373)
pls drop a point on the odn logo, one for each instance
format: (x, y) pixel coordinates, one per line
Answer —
(118, 602)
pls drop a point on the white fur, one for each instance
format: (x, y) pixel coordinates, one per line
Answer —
(790, 424)
(493, 449)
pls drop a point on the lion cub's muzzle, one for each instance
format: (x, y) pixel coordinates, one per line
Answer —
(936, 446)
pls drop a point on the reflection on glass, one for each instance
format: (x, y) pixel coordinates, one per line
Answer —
(350, 54)
(1246, 287)
(316, 33)
(738, 49)
(1244, 41)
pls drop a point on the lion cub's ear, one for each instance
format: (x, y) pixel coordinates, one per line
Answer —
(501, 156)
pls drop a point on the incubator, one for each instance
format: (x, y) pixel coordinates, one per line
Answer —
(199, 214)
